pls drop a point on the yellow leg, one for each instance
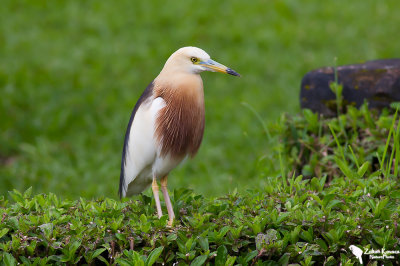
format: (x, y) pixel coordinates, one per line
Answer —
(164, 190)
(155, 188)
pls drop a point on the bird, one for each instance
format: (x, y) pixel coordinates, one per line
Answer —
(357, 252)
(166, 125)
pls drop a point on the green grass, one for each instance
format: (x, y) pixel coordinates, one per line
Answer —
(309, 219)
(71, 72)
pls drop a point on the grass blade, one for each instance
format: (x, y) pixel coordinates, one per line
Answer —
(337, 143)
(386, 173)
(259, 118)
(354, 156)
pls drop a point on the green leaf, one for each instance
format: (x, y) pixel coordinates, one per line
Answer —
(25, 260)
(74, 246)
(315, 184)
(124, 262)
(395, 105)
(307, 235)
(203, 241)
(379, 207)
(137, 259)
(189, 245)
(230, 261)
(97, 252)
(106, 262)
(363, 168)
(221, 257)
(153, 256)
(3, 232)
(331, 261)
(143, 219)
(333, 203)
(322, 244)
(284, 260)
(28, 193)
(223, 231)
(172, 237)
(327, 199)
(344, 167)
(55, 258)
(395, 194)
(199, 261)
(317, 199)
(250, 255)
(8, 259)
(16, 196)
(294, 234)
(282, 216)
(47, 229)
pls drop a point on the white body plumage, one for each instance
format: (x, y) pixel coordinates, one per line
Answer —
(143, 158)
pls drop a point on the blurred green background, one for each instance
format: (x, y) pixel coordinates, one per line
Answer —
(71, 72)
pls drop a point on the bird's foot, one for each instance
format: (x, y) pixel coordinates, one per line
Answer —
(170, 223)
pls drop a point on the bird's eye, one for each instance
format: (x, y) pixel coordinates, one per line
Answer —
(194, 59)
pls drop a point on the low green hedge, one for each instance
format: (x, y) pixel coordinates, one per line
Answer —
(304, 221)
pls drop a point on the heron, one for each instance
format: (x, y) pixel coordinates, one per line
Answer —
(166, 125)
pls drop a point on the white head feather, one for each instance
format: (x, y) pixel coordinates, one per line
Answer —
(181, 60)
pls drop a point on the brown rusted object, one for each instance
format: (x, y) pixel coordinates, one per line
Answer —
(377, 82)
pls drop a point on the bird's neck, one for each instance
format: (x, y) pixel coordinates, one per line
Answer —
(180, 86)
(180, 124)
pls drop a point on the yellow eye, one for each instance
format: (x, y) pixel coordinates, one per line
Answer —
(194, 59)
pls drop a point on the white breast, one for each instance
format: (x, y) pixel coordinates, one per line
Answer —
(142, 158)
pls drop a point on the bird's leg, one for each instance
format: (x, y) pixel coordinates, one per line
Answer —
(170, 210)
(155, 188)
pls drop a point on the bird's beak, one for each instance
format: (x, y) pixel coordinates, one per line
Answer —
(214, 66)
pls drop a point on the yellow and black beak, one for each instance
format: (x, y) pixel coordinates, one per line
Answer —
(214, 66)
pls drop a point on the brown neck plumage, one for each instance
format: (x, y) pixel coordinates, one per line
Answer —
(180, 124)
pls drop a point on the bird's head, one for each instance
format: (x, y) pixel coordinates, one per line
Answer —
(194, 60)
